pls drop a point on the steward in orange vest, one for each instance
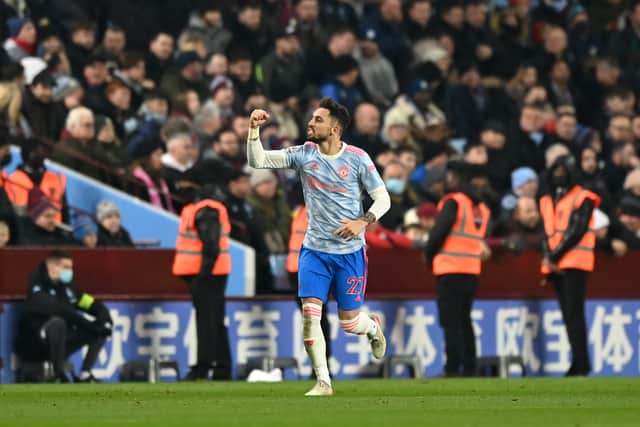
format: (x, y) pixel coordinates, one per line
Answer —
(298, 231)
(32, 172)
(203, 261)
(567, 212)
(456, 249)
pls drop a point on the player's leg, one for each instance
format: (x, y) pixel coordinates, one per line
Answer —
(315, 280)
(350, 283)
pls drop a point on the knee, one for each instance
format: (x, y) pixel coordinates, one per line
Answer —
(54, 327)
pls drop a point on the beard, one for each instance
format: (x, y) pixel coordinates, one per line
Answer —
(315, 137)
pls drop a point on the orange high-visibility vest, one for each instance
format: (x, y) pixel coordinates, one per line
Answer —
(53, 185)
(462, 249)
(556, 221)
(298, 231)
(188, 258)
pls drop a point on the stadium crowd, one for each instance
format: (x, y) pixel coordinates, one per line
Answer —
(153, 97)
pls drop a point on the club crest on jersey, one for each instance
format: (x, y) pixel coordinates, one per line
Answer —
(343, 172)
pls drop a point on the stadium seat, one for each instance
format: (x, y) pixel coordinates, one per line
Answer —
(409, 361)
(498, 366)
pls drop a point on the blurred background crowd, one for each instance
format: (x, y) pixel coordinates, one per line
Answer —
(152, 97)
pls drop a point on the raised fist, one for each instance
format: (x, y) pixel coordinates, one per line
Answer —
(257, 118)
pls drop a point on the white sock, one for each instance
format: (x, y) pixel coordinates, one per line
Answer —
(314, 340)
(360, 325)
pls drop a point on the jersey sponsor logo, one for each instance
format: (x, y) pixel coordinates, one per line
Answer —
(315, 184)
(343, 172)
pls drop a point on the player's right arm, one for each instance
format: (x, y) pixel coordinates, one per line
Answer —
(257, 156)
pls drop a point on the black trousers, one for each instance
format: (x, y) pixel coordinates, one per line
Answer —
(207, 295)
(62, 341)
(571, 290)
(455, 294)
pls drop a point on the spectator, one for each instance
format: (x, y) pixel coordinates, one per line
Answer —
(96, 78)
(245, 225)
(270, 206)
(365, 132)
(559, 88)
(145, 128)
(221, 96)
(403, 198)
(7, 213)
(528, 142)
(85, 231)
(553, 152)
(306, 15)
(33, 173)
(522, 230)
(115, 154)
(416, 110)
(250, 30)
(630, 219)
(282, 70)
(11, 102)
(378, 75)
(131, 71)
(474, 152)
(178, 167)
(147, 171)
(69, 92)
(377, 236)
(427, 213)
(555, 48)
(226, 150)
(524, 79)
(208, 23)
(493, 136)
(624, 158)
(118, 106)
(186, 76)
(158, 58)
(82, 42)
(186, 105)
(22, 38)
(342, 87)
(44, 118)
(206, 123)
(394, 44)
(418, 20)
(319, 60)
(408, 157)
(53, 325)
(566, 128)
(217, 65)
(481, 39)
(111, 233)
(114, 40)
(241, 67)
(524, 183)
(79, 149)
(40, 228)
(591, 177)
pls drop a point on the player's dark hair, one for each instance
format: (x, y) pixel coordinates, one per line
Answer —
(337, 112)
(57, 255)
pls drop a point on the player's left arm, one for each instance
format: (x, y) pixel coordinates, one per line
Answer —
(374, 185)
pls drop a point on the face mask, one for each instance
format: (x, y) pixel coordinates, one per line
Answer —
(158, 117)
(6, 160)
(66, 276)
(395, 185)
(536, 137)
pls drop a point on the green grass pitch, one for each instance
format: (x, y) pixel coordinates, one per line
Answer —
(431, 402)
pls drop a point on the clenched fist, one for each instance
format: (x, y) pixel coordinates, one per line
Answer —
(257, 118)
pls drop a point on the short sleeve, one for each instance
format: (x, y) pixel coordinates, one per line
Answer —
(294, 156)
(369, 175)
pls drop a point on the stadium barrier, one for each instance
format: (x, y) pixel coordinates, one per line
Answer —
(153, 317)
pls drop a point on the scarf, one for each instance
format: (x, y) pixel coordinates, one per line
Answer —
(154, 192)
